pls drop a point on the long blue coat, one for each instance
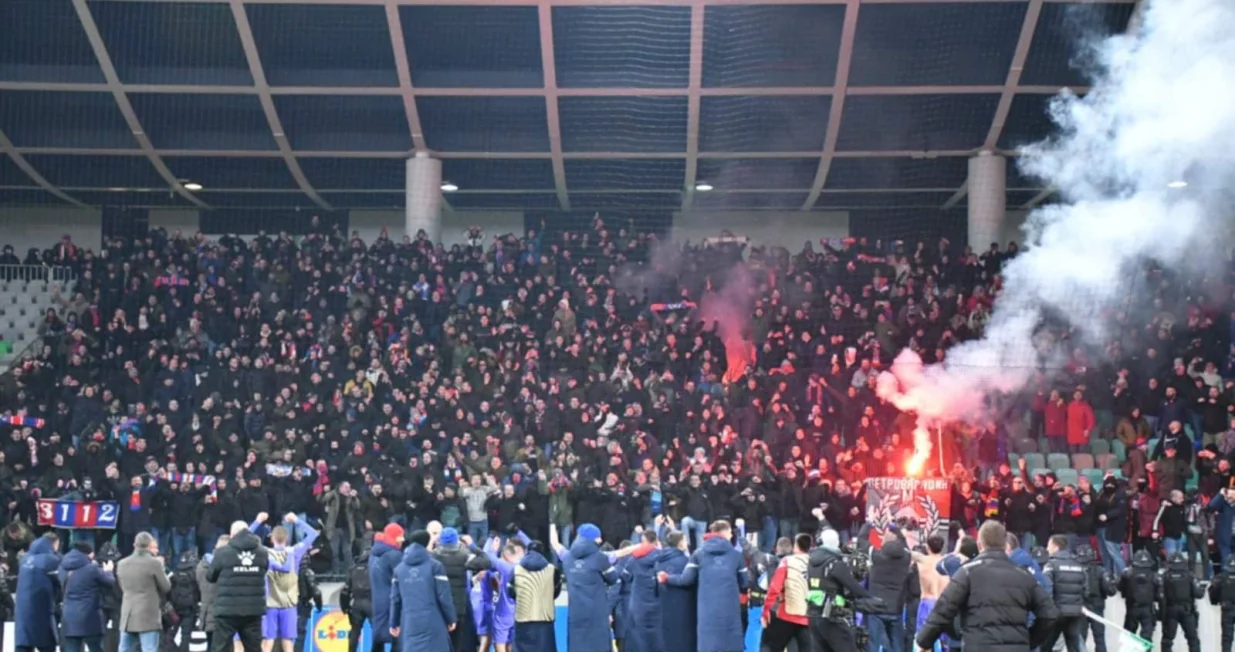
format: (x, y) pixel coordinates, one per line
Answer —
(420, 602)
(677, 603)
(619, 595)
(721, 575)
(383, 559)
(643, 609)
(588, 576)
(37, 586)
(84, 587)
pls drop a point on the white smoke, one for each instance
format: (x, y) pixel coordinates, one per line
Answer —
(1161, 110)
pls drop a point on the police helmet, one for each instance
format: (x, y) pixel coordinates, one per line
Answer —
(107, 552)
(1142, 558)
(1085, 554)
(1177, 559)
(1039, 555)
(1229, 565)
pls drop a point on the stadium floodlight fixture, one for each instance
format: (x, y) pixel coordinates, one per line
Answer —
(703, 186)
(1176, 185)
(449, 187)
(192, 186)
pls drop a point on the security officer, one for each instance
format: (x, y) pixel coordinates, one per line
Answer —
(1222, 594)
(1067, 578)
(831, 587)
(310, 598)
(1139, 587)
(1099, 585)
(1180, 591)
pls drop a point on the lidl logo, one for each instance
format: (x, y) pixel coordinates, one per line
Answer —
(331, 632)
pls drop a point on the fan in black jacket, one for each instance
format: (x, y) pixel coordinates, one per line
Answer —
(239, 569)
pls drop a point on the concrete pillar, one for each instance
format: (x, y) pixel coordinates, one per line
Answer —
(988, 200)
(423, 186)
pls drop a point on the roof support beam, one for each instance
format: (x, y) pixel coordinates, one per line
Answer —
(694, 88)
(1039, 198)
(848, 32)
(956, 198)
(263, 93)
(122, 102)
(392, 91)
(548, 61)
(1011, 85)
(575, 3)
(251, 153)
(404, 70)
(6, 148)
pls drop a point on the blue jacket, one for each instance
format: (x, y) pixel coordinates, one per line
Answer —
(588, 576)
(643, 610)
(1021, 558)
(84, 586)
(383, 559)
(678, 604)
(420, 602)
(619, 594)
(37, 586)
(721, 574)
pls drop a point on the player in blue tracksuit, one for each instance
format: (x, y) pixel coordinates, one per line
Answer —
(495, 586)
(644, 623)
(589, 573)
(422, 611)
(678, 604)
(720, 572)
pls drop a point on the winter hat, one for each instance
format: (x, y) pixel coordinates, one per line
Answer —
(420, 537)
(391, 534)
(589, 532)
(448, 537)
(829, 538)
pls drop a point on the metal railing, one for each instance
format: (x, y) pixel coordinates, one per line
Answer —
(37, 274)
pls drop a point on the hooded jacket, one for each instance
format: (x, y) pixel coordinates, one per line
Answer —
(588, 575)
(420, 602)
(35, 621)
(679, 607)
(83, 584)
(239, 572)
(721, 575)
(889, 568)
(643, 622)
(383, 559)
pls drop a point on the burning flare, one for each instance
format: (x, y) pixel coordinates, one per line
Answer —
(921, 451)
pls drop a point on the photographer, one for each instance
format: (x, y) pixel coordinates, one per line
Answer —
(889, 574)
(830, 588)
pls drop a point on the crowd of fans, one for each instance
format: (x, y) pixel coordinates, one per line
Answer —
(521, 381)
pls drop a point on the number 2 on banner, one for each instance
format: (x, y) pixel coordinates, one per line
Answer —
(107, 515)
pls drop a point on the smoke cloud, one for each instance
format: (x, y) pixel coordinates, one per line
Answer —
(1161, 110)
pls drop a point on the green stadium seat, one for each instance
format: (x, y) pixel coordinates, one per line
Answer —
(1082, 461)
(1153, 444)
(5, 347)
(1117, 472)
(1095, 476)
(1035, 460)
(1118, 448)
(1099, 447)
(1107, 461)
(1066, 476)
(1193, 481)
(1041, 470)
(1025, 446)
(1012, 458)
(1188, 429)
(1059, 461)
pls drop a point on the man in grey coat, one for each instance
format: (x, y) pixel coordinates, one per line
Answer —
(144, 586)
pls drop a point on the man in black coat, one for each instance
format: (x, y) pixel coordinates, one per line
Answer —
(889, 572)
(239, 570)
(993, 598)
(1068, 581)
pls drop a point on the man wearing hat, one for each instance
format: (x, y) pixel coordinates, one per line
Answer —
(589, 573)
(384, 557)
(453, 556)
(421, 611)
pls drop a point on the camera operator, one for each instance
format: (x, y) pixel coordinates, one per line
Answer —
(831, 587)
(889, 573)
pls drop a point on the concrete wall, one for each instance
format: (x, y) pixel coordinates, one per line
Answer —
(43, 227)
(789, 229)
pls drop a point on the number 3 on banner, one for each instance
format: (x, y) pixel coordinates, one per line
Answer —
(47, 512)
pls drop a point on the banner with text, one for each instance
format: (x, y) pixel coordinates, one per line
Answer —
(77, 514)
(920, 507)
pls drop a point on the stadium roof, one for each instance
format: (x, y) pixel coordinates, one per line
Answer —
(535, 105)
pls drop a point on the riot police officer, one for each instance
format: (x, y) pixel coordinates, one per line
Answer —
(831, 593)
(1066, 575)
(1139, 587)
(1222, 594)
(1099, 585)
(1179, 593)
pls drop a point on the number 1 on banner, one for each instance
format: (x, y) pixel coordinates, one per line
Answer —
(64, 514)
(85, 512)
